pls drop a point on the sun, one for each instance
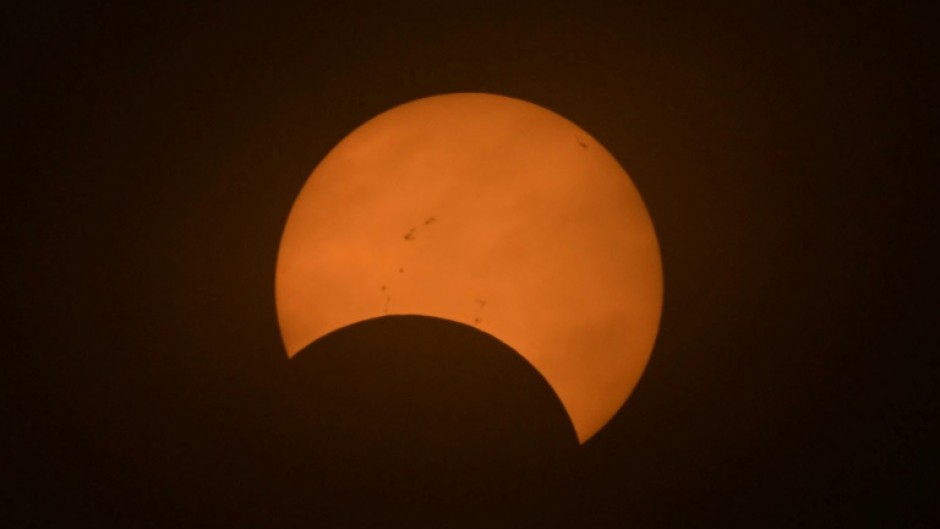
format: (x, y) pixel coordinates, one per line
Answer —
(488, 211)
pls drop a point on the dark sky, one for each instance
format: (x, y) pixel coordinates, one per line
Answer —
(785, 150)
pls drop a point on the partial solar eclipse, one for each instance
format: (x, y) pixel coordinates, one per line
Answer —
(488, 211)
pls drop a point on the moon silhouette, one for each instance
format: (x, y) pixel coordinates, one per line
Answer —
(488, 211)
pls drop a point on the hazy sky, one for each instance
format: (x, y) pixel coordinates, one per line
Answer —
(784, 151)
